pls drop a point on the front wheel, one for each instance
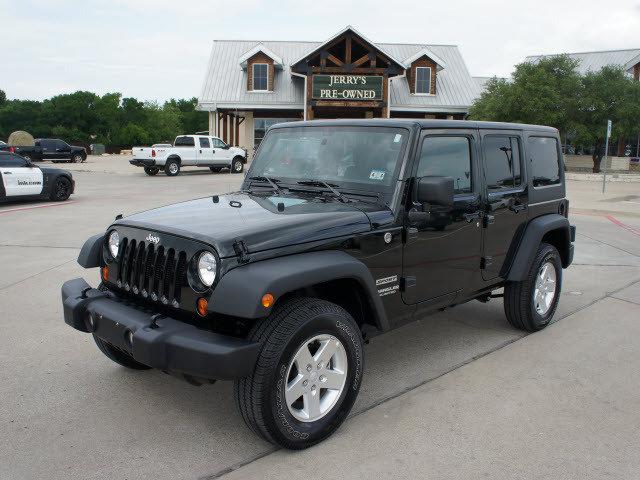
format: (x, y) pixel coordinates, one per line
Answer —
(151, 171)
(172, 168)
(77, 158)
(61, 189)
(237, 166)
(307, 376)
(531, 303)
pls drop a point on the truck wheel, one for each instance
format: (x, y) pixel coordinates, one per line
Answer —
(531, 303)
(307, 376)
(118, 356)
(151, 171)
(61, 189)
(77, 158)
(237, 166)
(172, 168)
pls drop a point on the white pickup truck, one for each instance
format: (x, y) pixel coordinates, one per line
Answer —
(190, 151)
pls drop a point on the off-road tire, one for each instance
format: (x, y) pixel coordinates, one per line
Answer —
(518, 296)
(237, 165)
(260, 396)
(172, 168)
(151, 171)
(118, 356)
(61, 189)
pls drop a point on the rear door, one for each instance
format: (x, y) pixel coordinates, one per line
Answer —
(18, 178)
(205, 151)
(506, 199)
(185, 147)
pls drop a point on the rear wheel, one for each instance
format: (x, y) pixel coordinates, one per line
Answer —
(61, 189)
(172, 168)
(118, 356)
(531, 303)
(151, 171)
(307, 376)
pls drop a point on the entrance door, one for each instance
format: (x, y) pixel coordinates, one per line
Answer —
(506, 193)
(19, 177)
(442, 254)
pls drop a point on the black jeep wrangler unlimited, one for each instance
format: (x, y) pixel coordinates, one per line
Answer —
(342, 229)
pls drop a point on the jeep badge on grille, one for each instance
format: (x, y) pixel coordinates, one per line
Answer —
(152, 238)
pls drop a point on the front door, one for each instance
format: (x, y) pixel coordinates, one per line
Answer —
(221, 153)
(442, 253)
(18, 178)
(506, 199)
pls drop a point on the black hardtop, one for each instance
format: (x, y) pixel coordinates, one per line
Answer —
(419, 123)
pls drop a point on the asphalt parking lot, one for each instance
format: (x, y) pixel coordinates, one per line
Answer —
(457, 379)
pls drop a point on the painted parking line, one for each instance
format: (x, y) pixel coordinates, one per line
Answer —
(31, 207)
(629, 228)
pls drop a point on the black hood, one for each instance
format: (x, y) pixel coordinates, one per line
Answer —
(256, 219)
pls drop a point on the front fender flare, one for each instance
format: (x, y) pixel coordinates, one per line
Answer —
(240, 291)
(533, 234)
(91, 252)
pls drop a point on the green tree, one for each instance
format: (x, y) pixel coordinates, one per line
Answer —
(3, 98)
(192, 120)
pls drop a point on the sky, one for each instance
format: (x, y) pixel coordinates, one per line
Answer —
(158, 49)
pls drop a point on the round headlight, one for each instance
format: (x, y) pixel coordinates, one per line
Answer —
(114, 243)
(207, 267)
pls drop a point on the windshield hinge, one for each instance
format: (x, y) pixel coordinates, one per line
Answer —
(241, 250)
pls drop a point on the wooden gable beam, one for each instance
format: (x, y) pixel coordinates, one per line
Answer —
(361, 60)
(334, 59)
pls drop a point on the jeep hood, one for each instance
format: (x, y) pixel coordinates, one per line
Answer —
(261, 221)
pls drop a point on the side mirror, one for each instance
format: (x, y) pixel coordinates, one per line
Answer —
(435, 191)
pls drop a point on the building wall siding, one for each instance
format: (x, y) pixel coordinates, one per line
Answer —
(636, 72)
(260, 58)
(411, 73)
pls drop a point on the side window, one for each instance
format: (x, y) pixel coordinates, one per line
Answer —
(184, 142)
(447, 157)
(501, 161)
(260, 76)
(59, 144)
(545, 161)
(217, 143)
(204, 142)
(12, 160)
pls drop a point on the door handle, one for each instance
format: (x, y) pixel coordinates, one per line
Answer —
(8, 173)
(200, 151)
(517, 207)
(213, 151)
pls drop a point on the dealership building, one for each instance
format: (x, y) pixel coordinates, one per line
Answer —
(251, 85)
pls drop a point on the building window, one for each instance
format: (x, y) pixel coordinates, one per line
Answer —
(261, 125)
(260, 76)
(423, 79)
(501, 162)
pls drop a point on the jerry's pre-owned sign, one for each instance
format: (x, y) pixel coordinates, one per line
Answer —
(347, 87)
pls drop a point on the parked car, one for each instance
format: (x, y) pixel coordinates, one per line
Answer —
(190, 151)
(22, 180)
(52, 149)
(341, 230)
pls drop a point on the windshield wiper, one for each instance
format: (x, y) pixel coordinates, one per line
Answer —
(272, 181)
(328, 186)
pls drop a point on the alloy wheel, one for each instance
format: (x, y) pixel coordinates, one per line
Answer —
(545, 288)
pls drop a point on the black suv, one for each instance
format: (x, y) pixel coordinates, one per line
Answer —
(342, 230)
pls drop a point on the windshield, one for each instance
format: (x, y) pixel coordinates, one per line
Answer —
(356, 157)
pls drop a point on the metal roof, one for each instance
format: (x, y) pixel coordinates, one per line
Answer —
(225, 83)
(594, 61)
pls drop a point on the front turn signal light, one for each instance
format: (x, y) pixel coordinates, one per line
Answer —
(104, 273)
(202, 305)
(267, 300)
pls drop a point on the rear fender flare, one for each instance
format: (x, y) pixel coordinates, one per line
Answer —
(533, 235)
(240, 291)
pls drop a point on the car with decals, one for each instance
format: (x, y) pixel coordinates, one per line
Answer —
(189, 151)
(22, 180)
(341, 230)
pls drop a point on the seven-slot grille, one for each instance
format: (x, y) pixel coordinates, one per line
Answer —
(152, 271)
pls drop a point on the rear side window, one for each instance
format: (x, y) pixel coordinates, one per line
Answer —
(185, 142)
(447, 157)
(204, 142)
(12, 160)
(545, 161)
(501, 162)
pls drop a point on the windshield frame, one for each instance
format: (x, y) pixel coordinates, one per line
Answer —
(343, 187)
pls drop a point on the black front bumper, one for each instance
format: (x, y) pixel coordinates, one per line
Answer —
(143, 162)
(158, 341)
